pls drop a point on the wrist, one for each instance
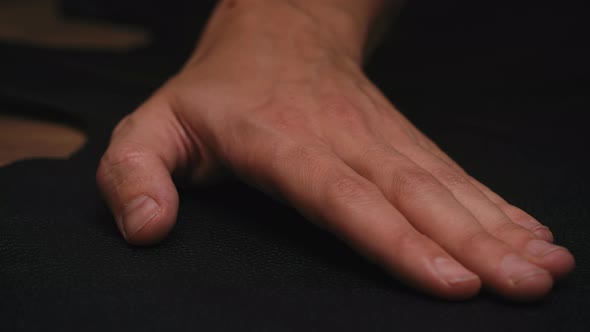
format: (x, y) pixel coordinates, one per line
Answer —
(338, 23)
(304, 24)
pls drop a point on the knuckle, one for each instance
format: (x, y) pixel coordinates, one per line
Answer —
(303, 152)
(126, 124)
(492, 196)
(388, 252)
(474, 241)
(409, 242)
(288, 154)
(124, 154)
(120, 167)
(339, 109)
(379, 152)
(411, 182)
(451, 179)
(349, 188)
(268, 141)
(313, 159)
(281, 163)
(277, 113)
(285, 120)
(506, 230)
(512, 211)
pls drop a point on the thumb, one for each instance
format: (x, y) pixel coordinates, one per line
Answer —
(134, 174)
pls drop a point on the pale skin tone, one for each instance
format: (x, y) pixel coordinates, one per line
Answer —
(275, 95)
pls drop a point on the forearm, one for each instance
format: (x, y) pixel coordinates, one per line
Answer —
(343, 24)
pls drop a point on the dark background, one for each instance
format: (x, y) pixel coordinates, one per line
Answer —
(502, 86)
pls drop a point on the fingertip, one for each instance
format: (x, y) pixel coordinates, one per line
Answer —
(458, 283)
(531, 288)
(432, 284)
(139, 190)
(441, 277)
(146, 222)
(462, 290)
(521, 280)
(561, 261)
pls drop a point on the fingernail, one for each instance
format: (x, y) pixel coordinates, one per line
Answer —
(541, 248)
(538, 229)
(517, 269)
(544, 233)
(452, 272)
(137, 214)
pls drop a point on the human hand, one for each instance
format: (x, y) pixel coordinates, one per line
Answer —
(293, 115)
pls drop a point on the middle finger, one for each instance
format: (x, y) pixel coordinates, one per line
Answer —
(555, 259)
(436, 213)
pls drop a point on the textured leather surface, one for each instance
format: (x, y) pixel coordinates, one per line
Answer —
(506, 99)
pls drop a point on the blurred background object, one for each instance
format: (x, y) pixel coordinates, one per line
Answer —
(40, 22)
(23, 138)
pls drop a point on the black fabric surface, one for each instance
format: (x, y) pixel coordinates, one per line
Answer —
(503, 89)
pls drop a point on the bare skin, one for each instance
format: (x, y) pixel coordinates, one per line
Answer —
(275, 95)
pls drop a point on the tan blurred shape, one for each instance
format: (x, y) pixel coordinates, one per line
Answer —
(23, 138)
(38, 22)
